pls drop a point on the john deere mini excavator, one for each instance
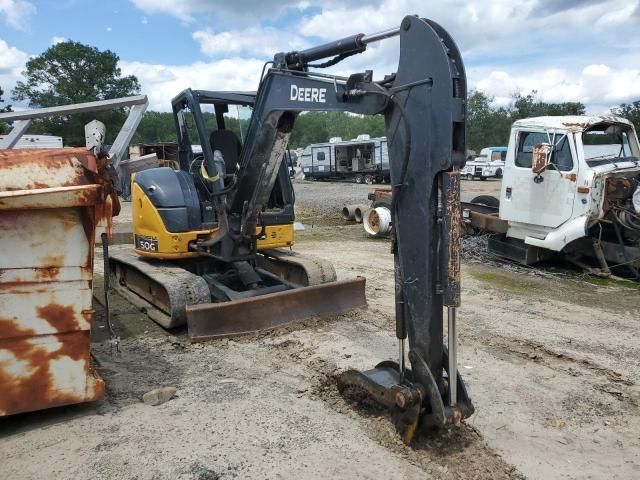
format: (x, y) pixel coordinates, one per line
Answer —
(213, 223)
(205, 260)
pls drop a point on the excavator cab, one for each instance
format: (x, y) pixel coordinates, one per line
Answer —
(210, 144)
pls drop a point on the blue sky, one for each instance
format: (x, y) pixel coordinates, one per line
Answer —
(580, 50)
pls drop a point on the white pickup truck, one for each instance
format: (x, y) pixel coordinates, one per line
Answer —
(571, 184)
(488, 164)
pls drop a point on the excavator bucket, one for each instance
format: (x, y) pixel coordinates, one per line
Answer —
(265, 312)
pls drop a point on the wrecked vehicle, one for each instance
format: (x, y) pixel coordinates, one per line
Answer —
(571, 185)
(571, 188)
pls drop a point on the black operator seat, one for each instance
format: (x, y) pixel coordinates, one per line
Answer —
(227, 142)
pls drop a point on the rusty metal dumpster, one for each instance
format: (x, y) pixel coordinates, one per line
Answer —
(50, 203)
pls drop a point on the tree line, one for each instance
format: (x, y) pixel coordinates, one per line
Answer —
(71, 72)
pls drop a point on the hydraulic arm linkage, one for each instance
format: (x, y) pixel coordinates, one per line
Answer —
(425, 123)
(424, 108)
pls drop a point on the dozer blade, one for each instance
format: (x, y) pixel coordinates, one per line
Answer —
(265, 312)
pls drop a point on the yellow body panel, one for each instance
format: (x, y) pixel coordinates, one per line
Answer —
(153, 240)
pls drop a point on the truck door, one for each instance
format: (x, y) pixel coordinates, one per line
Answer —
(547, 202)
(321, 159)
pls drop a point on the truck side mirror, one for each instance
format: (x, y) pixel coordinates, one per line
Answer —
(541, 157)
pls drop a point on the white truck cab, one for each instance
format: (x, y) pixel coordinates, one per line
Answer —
(569, 180)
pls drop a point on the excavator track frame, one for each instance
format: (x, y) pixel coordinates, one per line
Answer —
(173, 296)
(161, 287)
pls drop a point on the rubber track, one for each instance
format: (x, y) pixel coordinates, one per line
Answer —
(182, 287)
(318, 271)
(185, 288)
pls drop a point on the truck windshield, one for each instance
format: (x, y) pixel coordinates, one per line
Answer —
(606, 144)
(560, 158)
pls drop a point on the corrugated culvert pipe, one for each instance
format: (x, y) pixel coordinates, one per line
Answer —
(349, 212)
(359, 212)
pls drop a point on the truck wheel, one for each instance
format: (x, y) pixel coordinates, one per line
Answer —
(358, 178)
(368, 179)
(379, 179)
(483, 178)
(487, 200)
(387, 179)
(468, 176)
(499, 173)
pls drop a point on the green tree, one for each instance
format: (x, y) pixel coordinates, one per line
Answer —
(4, 128)
(316, 127)
(71, 72)
(486, 125)
(156, 127)
(630, 111)
(528, 106)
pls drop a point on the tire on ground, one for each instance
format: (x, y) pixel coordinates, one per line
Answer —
(487, 200)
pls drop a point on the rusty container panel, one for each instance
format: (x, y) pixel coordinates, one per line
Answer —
(50, 203)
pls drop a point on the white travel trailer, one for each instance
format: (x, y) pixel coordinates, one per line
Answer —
(362, 160)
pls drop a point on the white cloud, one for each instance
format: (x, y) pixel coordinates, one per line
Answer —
(12, 63)
(508, 46)
(55, 40)
(623, 16)
(585, 50)
(567, 51)
(186, 10)
(144, 20)
(600, 87)
(17, 12)
(263, 41)
(109, 29)
(163, 82)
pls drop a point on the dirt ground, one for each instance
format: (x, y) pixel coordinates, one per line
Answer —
(552, 362)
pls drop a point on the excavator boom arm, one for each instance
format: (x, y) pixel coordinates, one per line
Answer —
(423, 104)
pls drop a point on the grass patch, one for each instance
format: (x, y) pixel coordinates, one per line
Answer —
(506, 282)
(621, 295)
(612, 282)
